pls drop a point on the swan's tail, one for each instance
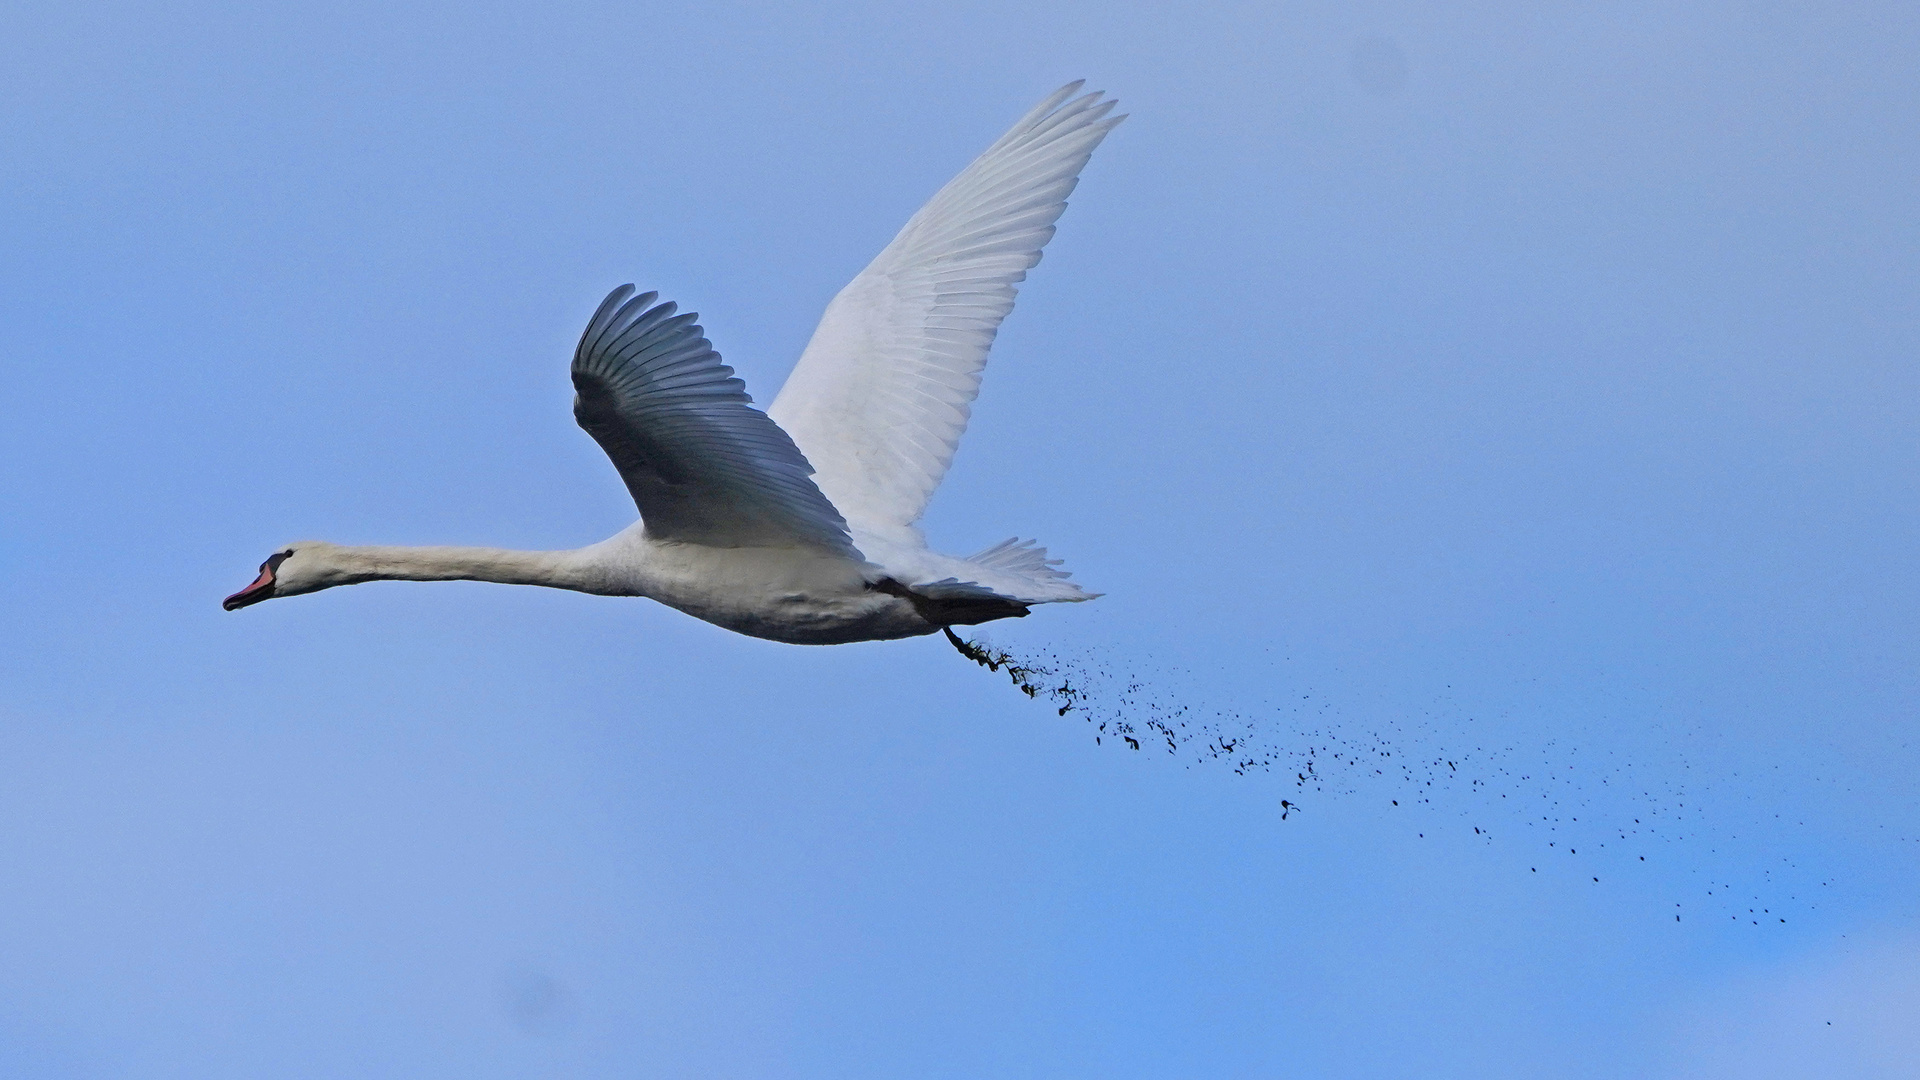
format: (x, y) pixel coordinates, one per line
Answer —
(1016, 570)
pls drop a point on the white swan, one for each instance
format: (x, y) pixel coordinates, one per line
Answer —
(797, 524)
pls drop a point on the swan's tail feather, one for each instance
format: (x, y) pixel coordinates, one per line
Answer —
(1001, 582)
(1020, 570)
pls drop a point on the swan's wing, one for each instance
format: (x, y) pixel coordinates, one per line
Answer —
(703, 465)
(882, 394)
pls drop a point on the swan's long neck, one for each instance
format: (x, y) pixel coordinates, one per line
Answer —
(555, 569)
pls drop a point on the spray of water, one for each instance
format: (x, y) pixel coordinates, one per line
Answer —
(1554, 796)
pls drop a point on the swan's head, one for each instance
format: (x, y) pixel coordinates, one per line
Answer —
(294, 569)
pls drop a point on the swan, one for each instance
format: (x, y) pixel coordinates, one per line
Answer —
(797, 524)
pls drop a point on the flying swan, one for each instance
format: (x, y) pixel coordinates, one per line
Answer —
(797, 524)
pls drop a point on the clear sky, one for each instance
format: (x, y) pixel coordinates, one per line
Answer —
(1530, 387)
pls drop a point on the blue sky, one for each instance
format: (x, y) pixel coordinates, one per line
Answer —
(1528, 388)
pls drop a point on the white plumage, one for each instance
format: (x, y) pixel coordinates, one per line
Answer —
(884, 390)
(798, 524)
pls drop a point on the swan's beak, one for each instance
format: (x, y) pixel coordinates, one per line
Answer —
(261, 589)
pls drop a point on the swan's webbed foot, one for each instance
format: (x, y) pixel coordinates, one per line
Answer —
(970, 651)
(992, 661)
(1031, 681)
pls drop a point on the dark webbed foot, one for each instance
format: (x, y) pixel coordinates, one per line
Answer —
(969, 651)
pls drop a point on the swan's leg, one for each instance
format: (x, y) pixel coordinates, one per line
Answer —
(966, 650)
(971, 652)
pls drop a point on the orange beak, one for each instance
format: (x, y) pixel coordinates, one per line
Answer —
(261, 589)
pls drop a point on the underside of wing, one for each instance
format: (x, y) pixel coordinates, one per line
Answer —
(882, 394)
(703, 465)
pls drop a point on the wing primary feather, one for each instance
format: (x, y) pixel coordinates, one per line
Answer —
(602, 319)
(702, 464)
(881, 396)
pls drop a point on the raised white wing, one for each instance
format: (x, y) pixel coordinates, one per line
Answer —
(702, 464)
(882, 395)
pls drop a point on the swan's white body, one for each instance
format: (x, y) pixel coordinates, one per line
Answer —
(798, 524)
